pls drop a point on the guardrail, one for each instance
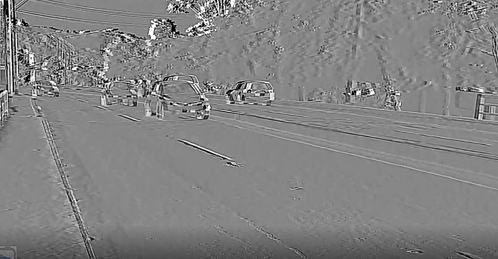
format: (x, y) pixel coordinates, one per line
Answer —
(4, 107)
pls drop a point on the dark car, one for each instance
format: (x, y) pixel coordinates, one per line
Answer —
(120, 92)
(251, 92)
(181, 96)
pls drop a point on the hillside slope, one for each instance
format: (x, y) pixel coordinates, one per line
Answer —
(315, 47)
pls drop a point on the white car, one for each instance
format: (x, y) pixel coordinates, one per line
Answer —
(471, 89)
(365, 92)
(254, 92)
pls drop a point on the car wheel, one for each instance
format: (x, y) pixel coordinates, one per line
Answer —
(202, 115)
(230, 98)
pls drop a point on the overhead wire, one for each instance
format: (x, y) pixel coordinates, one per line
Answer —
(102, 10)
(20, 4)
(81, 20)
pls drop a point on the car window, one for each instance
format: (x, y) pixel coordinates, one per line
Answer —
(259, 86)
(171, 78)
(239, 86)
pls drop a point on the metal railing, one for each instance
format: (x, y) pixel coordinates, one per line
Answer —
(4, 107)
(486, 107)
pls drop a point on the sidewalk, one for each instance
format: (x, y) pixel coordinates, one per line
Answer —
(34, 209)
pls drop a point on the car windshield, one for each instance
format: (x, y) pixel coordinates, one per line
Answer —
(43, 82)
(255, 86)
(178, 87)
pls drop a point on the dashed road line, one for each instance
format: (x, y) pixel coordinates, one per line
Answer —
(209, 151)
(101, 107)
(129, 117)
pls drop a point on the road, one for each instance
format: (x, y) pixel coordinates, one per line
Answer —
(340, 189)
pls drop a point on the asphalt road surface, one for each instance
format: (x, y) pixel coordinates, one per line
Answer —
(286, 181)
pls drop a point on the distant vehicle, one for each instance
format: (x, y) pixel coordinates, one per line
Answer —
(365, 92)
(211, 87)
(471, 89)
(46, 87)
(251, 92)
(474, 89)
(120, 93)
(181, 96)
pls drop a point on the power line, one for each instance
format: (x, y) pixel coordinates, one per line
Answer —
(101, 10)
(92, 10)
(73, 19)
(20, 4)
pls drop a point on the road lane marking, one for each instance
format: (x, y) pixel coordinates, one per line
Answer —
(129, 117)
(353, 154)
(101, 107)
(230, 161)
(441, 137)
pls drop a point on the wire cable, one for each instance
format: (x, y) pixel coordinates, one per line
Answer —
(73, 19)
(101, 10)
(20, 4)
(96, 11)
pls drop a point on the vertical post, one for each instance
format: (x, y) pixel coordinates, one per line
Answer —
(31, 59)
(479, 108)
(7, 10)
(4, 50)
(70, 66)
(63, 56)
(58, 59)
(349, 87)
(492, 110)
(15, 55)
(300, 93)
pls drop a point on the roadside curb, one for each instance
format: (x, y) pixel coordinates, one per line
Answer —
(67, 187)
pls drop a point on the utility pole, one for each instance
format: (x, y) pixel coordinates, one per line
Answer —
(8, 24)
(32, 63)
(70, 66)
(63, 61)
(15, 54)
(58, 60)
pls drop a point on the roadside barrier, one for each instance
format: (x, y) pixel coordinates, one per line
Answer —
(4, 107)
